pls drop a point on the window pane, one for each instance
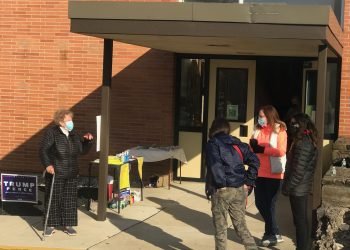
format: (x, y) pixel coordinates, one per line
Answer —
(192, 72)
(331, 99)
(331, 102)
(231, 94)
(311, 91)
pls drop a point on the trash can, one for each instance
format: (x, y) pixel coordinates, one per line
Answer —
(110, 187)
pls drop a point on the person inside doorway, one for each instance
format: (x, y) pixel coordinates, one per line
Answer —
(269, 142)
(299, 175)
(294, 109)
(227, 182)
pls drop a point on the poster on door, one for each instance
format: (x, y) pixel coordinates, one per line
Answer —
(232, 112)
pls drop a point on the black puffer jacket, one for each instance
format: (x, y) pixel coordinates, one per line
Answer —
(62, 152)
(300, 168)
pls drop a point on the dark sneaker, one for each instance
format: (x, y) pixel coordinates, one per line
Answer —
(269, 240)
(70, 231)
(279, 238)
(49, 231)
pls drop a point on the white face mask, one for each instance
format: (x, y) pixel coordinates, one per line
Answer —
(69, 125)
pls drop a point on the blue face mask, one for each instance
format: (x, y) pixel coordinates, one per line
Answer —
(262, 122)
(69, 125)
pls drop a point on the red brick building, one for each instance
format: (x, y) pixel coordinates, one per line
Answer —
(45, 66)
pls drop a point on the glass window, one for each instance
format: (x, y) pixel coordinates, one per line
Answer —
(310, 97)
(331, 100)
(192, 77)
(231, 94)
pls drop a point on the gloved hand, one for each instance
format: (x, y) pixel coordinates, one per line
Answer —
(256, 147)
(253, 142)
(209, 191)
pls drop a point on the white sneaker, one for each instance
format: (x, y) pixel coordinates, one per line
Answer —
(268, 240)
(279, 238)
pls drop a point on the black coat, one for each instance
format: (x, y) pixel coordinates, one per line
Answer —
(225, 168)
(62, 152)
(300, 168)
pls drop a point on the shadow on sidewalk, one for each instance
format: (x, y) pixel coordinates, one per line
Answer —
(284, 217)
(32, 213)
(189, 191)
(146, 232)
(199, 220)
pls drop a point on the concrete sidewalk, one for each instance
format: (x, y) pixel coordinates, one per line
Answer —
(179, 218)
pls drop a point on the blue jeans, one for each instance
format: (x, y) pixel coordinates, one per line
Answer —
(266, 193)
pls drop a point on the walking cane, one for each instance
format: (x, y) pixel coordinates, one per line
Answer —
(48, 207)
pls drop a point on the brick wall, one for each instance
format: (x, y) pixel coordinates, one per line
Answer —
(344, 115)
(44, 67)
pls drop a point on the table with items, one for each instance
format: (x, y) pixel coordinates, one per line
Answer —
(121, 177)
(154, 154)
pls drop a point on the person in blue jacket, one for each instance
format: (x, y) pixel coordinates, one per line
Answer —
(227, 181)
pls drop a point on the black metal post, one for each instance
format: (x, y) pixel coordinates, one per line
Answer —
(320, 111)
(105, 120)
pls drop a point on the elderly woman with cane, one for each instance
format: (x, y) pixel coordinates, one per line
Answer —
(59, 151)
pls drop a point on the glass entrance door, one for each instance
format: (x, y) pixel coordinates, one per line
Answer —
(232, 94)
(229, 92)
(190, 115)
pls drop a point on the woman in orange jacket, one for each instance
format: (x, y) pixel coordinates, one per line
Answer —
(269, 142)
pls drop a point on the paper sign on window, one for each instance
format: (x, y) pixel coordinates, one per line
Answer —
(231, 112)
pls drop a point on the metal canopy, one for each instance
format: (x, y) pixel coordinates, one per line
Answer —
(212, 28)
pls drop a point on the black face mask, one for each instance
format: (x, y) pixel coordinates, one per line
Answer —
(294, 128)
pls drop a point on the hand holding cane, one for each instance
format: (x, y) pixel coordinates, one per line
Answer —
(48, 206)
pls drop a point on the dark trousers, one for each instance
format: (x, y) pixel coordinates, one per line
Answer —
(299, 206)
(266, 193)
(64, 209)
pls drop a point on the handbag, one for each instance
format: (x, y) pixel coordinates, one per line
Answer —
(278, 164)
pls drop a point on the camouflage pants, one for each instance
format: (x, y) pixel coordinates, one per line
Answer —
(232, 201)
